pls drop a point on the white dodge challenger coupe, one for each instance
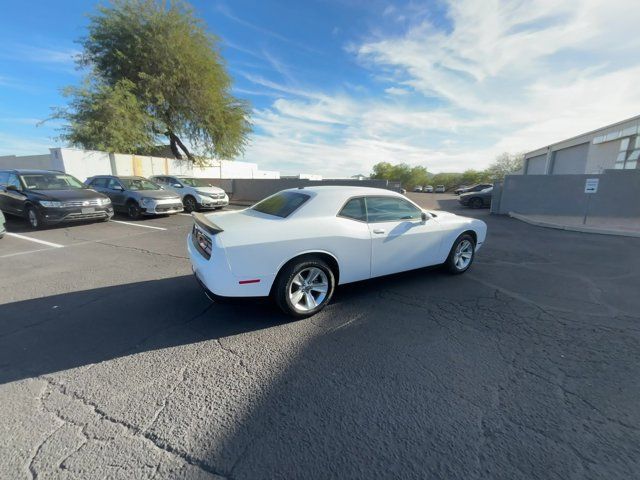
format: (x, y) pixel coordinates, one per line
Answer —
(298, 244)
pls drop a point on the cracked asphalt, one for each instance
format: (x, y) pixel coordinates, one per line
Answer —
(113, 364)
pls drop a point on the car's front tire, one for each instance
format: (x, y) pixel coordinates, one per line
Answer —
(190, 204)
(133, 210)
(304, 287)
(461, 255)
(34, 219)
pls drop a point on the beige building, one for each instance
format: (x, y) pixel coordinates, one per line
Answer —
(615, 146)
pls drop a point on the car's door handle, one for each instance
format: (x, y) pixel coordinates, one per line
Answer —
(378, 230)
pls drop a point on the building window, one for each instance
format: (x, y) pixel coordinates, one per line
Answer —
(629, 153)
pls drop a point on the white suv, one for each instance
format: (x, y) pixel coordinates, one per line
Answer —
(196, 193)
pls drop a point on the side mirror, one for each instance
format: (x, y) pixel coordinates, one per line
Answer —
(13, 188)
(424, 216)
(117, 188)
(176, 185)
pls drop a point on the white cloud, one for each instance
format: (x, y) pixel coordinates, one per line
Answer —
(503, 75)
(60, 59)
(397, 91)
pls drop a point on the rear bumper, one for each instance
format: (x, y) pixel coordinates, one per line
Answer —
(218, 280)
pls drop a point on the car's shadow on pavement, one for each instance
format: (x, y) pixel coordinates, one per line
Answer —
(19, 225)
(71, 330)
(60, 332)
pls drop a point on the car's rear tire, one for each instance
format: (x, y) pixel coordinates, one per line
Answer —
(190, 204)
(475, 202)
(133, 210)
(34, 219)
(304, 287)
(461, 255)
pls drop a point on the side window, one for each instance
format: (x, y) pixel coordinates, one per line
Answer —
(13, 180)
(161, 180)
(4, 178)
(113, 183)
(354, 209)
(99, 182)
(389, 209)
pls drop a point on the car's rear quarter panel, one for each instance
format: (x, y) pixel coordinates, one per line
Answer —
(261, 254)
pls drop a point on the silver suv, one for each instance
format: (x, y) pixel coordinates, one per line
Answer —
(196, 193)
(136, 196)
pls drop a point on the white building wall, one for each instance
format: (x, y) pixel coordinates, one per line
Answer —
(81, 163)
(87, 163)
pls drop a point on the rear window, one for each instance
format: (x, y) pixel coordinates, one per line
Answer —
(281, 204)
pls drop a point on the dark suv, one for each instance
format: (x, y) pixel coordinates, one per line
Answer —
(47, 197)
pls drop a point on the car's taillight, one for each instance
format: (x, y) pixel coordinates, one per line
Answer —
(201, 241)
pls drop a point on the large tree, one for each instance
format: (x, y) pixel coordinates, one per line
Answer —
(408, 176)
(505, 164)
(155, 73)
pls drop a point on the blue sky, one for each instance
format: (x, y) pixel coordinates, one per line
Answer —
(338, 85)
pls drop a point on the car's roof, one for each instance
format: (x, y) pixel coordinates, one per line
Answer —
(344, 191)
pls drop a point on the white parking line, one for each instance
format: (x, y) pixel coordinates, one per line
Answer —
(24, 253)
(36, 240)
(186, 214)
(137, 225)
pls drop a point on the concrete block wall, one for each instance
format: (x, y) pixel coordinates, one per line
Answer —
(27, 161)
(618, 195)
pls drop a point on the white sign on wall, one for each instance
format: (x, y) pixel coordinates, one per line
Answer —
(591, 185)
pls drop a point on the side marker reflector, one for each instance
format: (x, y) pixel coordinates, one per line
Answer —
(244, 282)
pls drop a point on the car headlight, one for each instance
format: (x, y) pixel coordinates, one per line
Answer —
(104, 201)
(50, 204)
(145, 201)
(206, 194)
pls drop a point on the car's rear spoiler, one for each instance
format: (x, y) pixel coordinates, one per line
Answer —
(207, 225)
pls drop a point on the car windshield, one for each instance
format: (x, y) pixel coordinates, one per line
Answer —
(50, 181)
(139, 184)
(488, 189)
(281, 204)
(196, 182)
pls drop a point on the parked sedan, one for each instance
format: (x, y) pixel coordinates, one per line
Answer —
(440, 189)
(196, 193)
(47, 197)
(475, 188)
(3, 230)
(299, 244)
(136, 196)
(417, 189)
(428, 189)
(477, 199)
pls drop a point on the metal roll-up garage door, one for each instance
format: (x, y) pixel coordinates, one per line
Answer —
(570, 160)
(536, 165)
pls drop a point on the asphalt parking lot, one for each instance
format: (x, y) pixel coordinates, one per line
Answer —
(113, 364)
